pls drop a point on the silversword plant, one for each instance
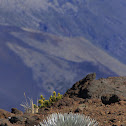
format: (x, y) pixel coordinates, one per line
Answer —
(28, 106)
(68, 120)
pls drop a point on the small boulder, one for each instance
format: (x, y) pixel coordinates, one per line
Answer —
(16, 111)
(109, 98)
(16, 119)
(5, 124)
(46, 109)
(78, 110)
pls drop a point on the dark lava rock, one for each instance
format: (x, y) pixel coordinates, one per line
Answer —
(5, 124)
(27, 120)
(16, 119)
(109, 98)
(78, 110)
(46, 109)
(113, 120)
(16, 111)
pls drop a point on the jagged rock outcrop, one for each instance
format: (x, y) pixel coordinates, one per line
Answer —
(88, 87)
(80, 89)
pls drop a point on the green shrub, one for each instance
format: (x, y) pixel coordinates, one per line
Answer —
(68, 120)
(41, 101)
(59, 96)
(53, 98)
(50, 99)
(46, 103)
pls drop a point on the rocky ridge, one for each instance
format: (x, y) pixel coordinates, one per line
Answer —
(103, 100)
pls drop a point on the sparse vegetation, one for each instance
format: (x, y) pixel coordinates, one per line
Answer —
(53, 98)
(68, 120)
(28, 105)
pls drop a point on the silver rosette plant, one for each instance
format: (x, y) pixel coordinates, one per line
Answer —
(68, 120)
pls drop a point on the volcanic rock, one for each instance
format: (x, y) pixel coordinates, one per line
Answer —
(16, 119)
(109, 98)
(90, 88)
(80, 89)
(78, 110)
(16, 111)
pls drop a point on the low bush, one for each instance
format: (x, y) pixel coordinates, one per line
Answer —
(53, 98)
